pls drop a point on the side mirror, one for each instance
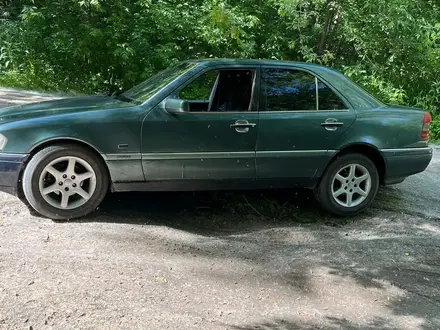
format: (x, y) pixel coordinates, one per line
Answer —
(175, 106)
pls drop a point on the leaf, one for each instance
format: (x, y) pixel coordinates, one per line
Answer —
(161, 279)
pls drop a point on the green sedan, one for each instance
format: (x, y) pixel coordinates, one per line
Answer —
(211, 125)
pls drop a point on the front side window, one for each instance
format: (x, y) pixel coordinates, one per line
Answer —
(220, 91)
(201, 88)
(295, 90)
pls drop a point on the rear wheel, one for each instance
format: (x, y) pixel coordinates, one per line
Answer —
(349, 185)
(65, 182)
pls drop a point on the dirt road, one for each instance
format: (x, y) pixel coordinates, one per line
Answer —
(226, 261)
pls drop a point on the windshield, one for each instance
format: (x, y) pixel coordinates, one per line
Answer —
(149, 87)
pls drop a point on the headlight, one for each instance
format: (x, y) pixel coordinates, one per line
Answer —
(3, 141)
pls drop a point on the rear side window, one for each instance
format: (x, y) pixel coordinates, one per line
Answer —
(295, 90)
(289, 90)
(328, 100)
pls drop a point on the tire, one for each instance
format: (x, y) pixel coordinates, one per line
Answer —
(333, 191)
(63, 173)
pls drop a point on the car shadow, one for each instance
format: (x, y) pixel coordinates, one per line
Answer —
(205, 212)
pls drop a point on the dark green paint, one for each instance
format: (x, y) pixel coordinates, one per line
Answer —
(385, 128)
(203, 146)
(198, 133)
(302, 134)
(59, 107)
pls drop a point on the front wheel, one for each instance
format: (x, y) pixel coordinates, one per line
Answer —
(349, 185)
(65, 182)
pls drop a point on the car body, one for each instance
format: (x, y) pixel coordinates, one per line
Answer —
(264, 124)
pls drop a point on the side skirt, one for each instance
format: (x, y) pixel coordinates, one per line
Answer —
(206, 185)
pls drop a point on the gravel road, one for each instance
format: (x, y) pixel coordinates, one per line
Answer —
(224, 261)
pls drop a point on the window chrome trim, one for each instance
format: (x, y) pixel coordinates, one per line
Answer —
(264, 112)
(316, 93)
(254, 80)
(213, 91)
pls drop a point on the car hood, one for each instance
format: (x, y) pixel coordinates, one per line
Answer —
(59, 107)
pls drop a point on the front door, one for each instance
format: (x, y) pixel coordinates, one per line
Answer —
(300, 120)
(214, 140)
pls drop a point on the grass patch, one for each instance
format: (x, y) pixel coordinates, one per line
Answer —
(266, 206)
(277, 205)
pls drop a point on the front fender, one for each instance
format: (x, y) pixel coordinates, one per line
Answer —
(103, 130)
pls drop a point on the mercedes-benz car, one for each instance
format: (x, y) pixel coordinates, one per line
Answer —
(211, 125)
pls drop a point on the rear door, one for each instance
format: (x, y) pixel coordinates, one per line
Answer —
(300, 120)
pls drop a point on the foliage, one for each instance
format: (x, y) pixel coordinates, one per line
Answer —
(391, 47)
(200, 88)
(435, 130)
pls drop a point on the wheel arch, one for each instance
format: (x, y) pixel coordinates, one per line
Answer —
(367, 150)
(52, 142)
(62, 140)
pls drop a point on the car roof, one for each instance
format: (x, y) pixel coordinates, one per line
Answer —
(231, 61)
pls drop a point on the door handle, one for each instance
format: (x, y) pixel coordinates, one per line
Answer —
(242, 126)
(339, 124)
(250, 125)
(332, 124)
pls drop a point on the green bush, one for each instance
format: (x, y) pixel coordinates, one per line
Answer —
(435, 130)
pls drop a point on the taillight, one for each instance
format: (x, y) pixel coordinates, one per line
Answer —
(426, 126)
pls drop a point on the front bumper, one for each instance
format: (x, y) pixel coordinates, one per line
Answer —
(10, 167)
(401, 163)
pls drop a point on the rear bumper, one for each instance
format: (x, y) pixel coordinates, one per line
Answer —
(401, 163)
(10, 167)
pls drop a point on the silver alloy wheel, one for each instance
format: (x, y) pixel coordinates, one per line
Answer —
(351, 185)
(67, 182)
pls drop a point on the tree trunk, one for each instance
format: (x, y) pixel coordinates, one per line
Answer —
(332, 11)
